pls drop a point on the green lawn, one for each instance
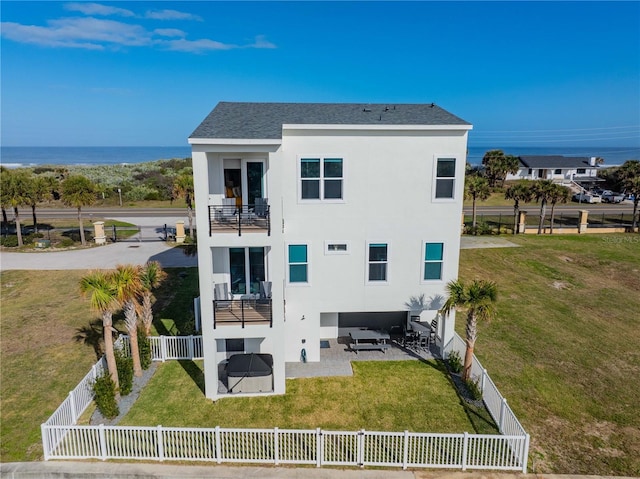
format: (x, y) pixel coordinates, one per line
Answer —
(381, 396)
(563, 349)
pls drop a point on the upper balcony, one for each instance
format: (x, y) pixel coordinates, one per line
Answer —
(229, 218)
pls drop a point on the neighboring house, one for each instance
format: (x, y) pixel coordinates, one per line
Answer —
(557, 168)
(344, 211)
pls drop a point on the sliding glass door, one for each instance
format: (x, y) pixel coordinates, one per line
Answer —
(247, 270)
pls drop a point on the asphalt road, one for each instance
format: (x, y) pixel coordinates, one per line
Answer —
(126, 212)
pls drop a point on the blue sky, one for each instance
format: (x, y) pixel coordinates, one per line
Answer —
(146, 73)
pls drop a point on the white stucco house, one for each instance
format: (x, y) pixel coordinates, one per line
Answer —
(343, 211)
(557, 168)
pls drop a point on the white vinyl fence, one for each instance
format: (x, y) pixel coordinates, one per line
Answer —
(63, 439)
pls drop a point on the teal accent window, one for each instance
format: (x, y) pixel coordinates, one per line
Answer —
(445, 177)
(378, 259)
(433, 261)
(298, 263)
(321, 178)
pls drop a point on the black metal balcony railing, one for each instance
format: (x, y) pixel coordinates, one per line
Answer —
(246, 218)
(242, 311)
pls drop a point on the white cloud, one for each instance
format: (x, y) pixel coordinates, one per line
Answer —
(171, 15)
(195, 46)
(261, 42)
(169, 32)
(97, 9)
(88, 33)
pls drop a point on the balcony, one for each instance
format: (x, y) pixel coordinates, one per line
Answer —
(242, 312)
(252, 218)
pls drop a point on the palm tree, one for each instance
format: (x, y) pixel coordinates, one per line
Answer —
(4, 172)
(78, 191)
(497, 165)
(15, 193)
(478, 299)
(40, 189)
(520, 191)
(98, 285)
(477, 188)
(183, 188)
(542, 191)
(559, 194)
(127, 285)
(629, 178)
(151, 276)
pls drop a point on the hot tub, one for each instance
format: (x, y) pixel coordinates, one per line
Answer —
(250, 373)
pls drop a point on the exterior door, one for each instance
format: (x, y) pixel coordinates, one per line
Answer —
(247, 268)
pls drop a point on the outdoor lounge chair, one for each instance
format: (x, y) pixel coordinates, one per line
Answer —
(265, 292)
(228, 211)
(222, 297)
(260, 208)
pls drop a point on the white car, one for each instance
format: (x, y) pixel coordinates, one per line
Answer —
(587, 198)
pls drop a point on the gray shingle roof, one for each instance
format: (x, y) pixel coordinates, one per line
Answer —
(555, 161)
(265, 120)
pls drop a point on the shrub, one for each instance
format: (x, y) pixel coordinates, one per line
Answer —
(454, 361)
(474, 389)
(104, 391)
(124, 364)
(10, 241)
(145, 349)
(67, 242)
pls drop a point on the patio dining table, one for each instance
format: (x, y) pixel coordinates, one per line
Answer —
(369, 339)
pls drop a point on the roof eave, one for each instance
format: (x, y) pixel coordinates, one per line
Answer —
(290, 126)
(234, 141)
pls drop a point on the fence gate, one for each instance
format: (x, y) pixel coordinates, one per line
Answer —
(138, 234)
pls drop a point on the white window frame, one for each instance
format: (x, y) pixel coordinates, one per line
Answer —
(368, 263)
(329, 252)
(308, 263)
(423, 261)
(321, 179)
(435, 178)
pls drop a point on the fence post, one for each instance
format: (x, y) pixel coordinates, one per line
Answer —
(484, 376)
(45, 441)
(405, 452)
(190, 347)
(465, 448)
(160, 443)
(72, 401)
(94, 374)
(276, 450)
(163, 348)
(503, 408)
(218, 445)
(103, 442)
(319, 447)
(525, 453)
(360, 458)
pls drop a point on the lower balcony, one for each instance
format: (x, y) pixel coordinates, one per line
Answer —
(242, 312)
(229, 218)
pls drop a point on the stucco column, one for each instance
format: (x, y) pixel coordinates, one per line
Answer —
(180, 232)
(522, 216)
(98, 230)
(582, 223)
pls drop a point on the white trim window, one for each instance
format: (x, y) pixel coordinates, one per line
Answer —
(433, 258)
(377, 262)
(298, 260)
(336, 247)
(445, 179)
(321, 179)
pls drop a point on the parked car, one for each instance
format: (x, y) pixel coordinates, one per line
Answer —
(585, 197)
(609, 196)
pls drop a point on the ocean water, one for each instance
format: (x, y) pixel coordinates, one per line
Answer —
(16, 156)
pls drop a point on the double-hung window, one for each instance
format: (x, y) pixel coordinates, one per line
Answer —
(378, 261)
(432, 261)
(445, 178)
(321, 179)
(298, 263)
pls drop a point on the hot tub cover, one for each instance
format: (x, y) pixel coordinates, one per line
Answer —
(250, 365)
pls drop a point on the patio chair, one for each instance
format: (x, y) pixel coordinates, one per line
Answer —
(260, 208)
(265, 292)
(222, 297)
(228, 212)
(434, 329)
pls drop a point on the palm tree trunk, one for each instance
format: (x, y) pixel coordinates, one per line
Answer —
(82, 240)
(18, 226)
(468, 361)
(516, 212)
(474, 215)
(634, 221)
(471, 331)
(5, 220)
(147, 313)
(135, 352)
(543, 213)
(553, 207)
(35, 220)
(108, 349)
